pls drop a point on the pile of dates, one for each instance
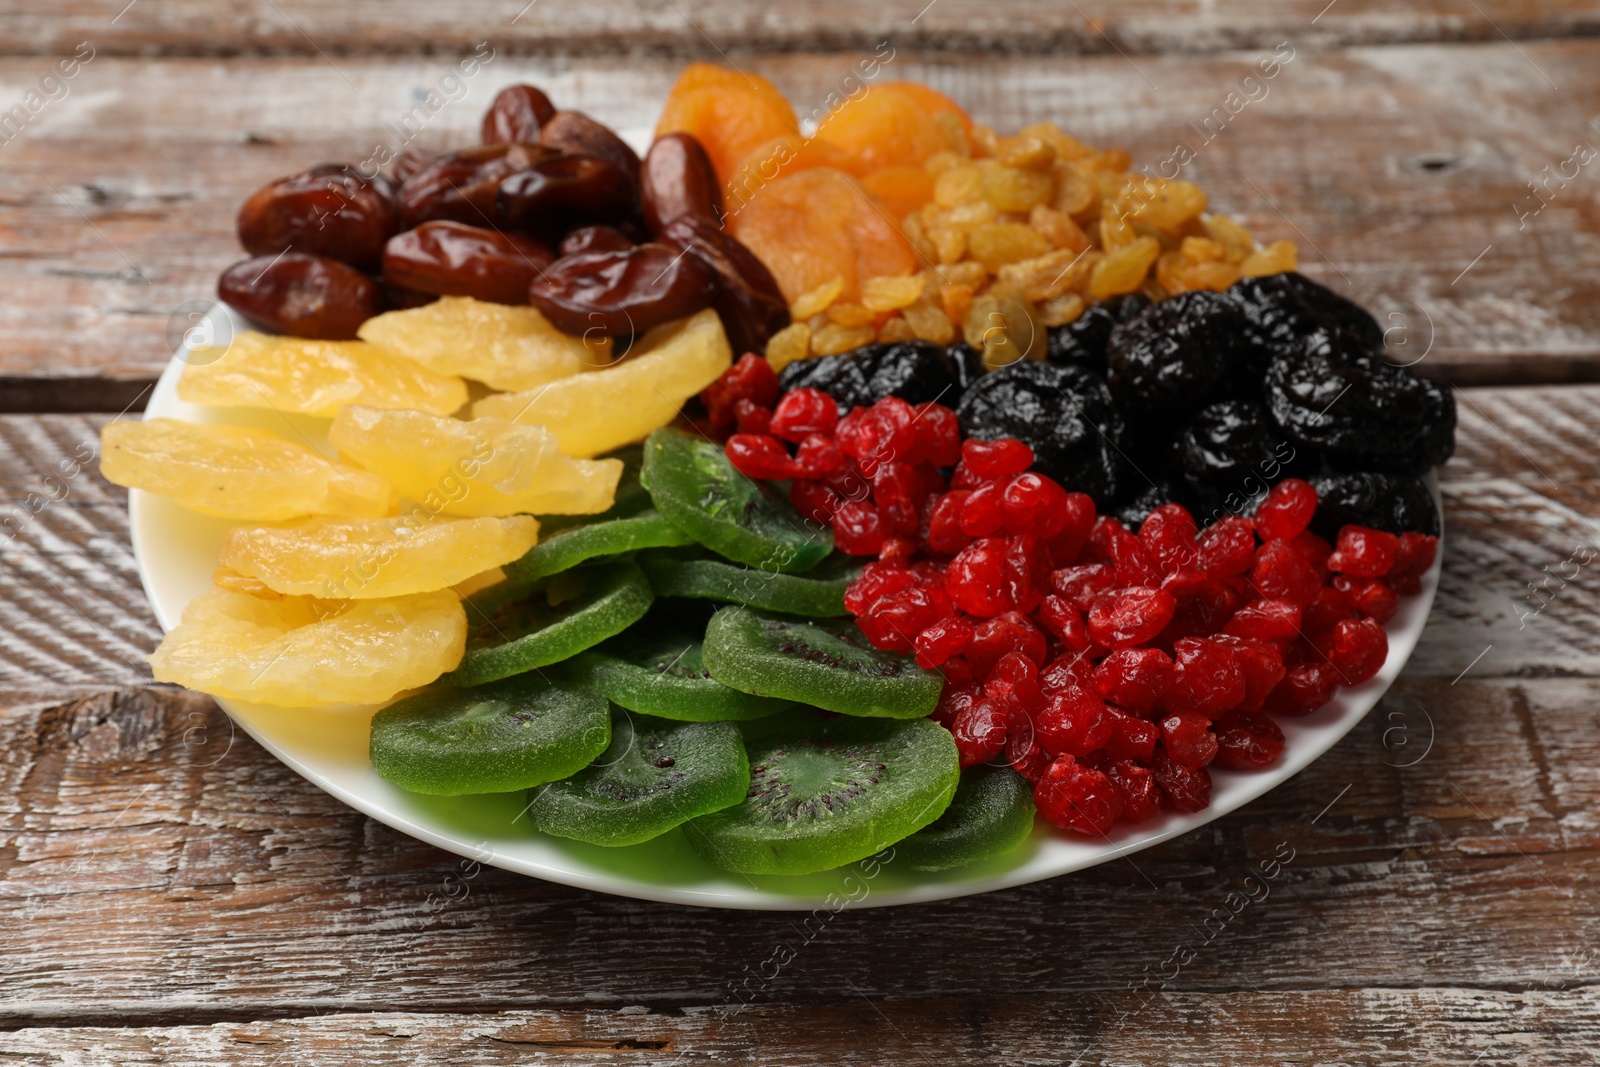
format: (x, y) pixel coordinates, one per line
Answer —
(1205, 399)
(552, 209)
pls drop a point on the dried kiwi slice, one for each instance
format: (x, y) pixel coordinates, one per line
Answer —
(827, 663)
(659, 671)
(573, 545)
(514, 627)
(654, 776)
(819, 592)
(697, 489)
(831, 792)
(513, 734)
(992, 813)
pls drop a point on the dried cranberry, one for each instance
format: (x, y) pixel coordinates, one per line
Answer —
(1065, 622)
(1187, 789)
(1209, 678)
(981, 513)
(1167, 536)
(1227, 547)
(1281, 573)
(1188, 738)
(979, 732)
(1000, 458)
(1357, 649)
(1080, 586)
(1010, 632)
(750, 378)
(804, 411)
(1127, 617)
(1078, 517)
(976, 579)
(1262, 665)
(1305, 688)
(1364, 552)
(1131, 737)
(941, 431)
(1135, 678)
(1287, 510)
(1075, 797)
(1033, 504)
(817, 456)
(1266, 620)
(1247, 740)
(1074, 722)
(953, 700)
(1373, 597)
(944, 524)
(1204, 605)
(1412, 559)
(859, 529)
(1141, 797)
(760, 456)
(814, 500)
(897, 491)
(937, 643)
(1015, 676)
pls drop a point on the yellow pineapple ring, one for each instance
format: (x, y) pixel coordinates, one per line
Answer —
(237, 473)
(301, 652)
(504, 347)
(293, 374)
(476, 466)
(364, 559)
(594, 413)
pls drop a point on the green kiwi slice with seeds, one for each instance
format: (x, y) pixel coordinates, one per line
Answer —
(654, 776)
(658, 669)
(829, 792)
(819, 592)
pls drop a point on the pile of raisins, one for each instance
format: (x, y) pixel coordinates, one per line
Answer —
(552, 209)
(1205, 399)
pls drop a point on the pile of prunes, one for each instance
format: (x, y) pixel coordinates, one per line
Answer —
(1206, 398)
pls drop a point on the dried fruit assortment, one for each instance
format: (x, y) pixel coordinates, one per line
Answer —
(879, 486)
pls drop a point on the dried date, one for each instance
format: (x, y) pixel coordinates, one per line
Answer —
(461, 186)
(326, 211)
(677, 179)
(454, 259)
(548, 197)
(622, 293)
(515, 114)
(596, 239)
(300, 294)
(577, 134)
(748, 299)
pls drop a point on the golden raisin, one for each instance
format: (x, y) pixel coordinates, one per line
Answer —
(1124, 270)
(1014, 189)
(817, 300)
(1234, 239)
(929, 323)
(1058, 228)
(896, 329)
(850, 315)
(1060, 310)
(1076, 192)
(1027, 153)
(833, 338)
(961, 184)
(891, 293)
(1000, 243)
(1276, 258)
(789, 344)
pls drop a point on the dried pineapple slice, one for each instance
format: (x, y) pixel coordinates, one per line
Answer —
(364, 559)
(292, 374)
(476, 466)
(504, 347)
(302, 652)
(594, 413)
(237, 473)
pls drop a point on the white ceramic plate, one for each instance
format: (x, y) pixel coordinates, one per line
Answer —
(176, 550)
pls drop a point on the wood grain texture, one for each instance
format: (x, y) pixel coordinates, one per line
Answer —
(1399, 170)
(1438, 1026)
(154, 868)
(712, 28)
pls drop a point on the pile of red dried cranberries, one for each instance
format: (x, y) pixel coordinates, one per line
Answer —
(1110, 668)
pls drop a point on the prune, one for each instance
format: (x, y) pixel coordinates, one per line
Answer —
(622, 293)
(1392, 502)
(1359, 412)
(409, 161)
(300, 294)
(578, 134)
(1084, 339)
(969, 368)
(1171, 359)
(1231, 442)
(548, 197)
(915, 371)
(1065, 414)
(461, 186)
(454, 259)
(748, 300)
(678, 179)
(326, 211)
(596, 239)
(515, 114)
(1282, 312)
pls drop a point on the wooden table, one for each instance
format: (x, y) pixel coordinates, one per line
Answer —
(169, 893)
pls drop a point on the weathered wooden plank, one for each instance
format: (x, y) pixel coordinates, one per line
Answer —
(1401, 171)
(138, 839)
(1520, 507)
(1441, 1026)
(710, 28)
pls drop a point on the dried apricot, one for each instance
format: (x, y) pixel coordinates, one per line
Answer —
(930, 100)
(815, 225)
(772, 160)
(729, 120)
(887, 127)
(901, 190)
